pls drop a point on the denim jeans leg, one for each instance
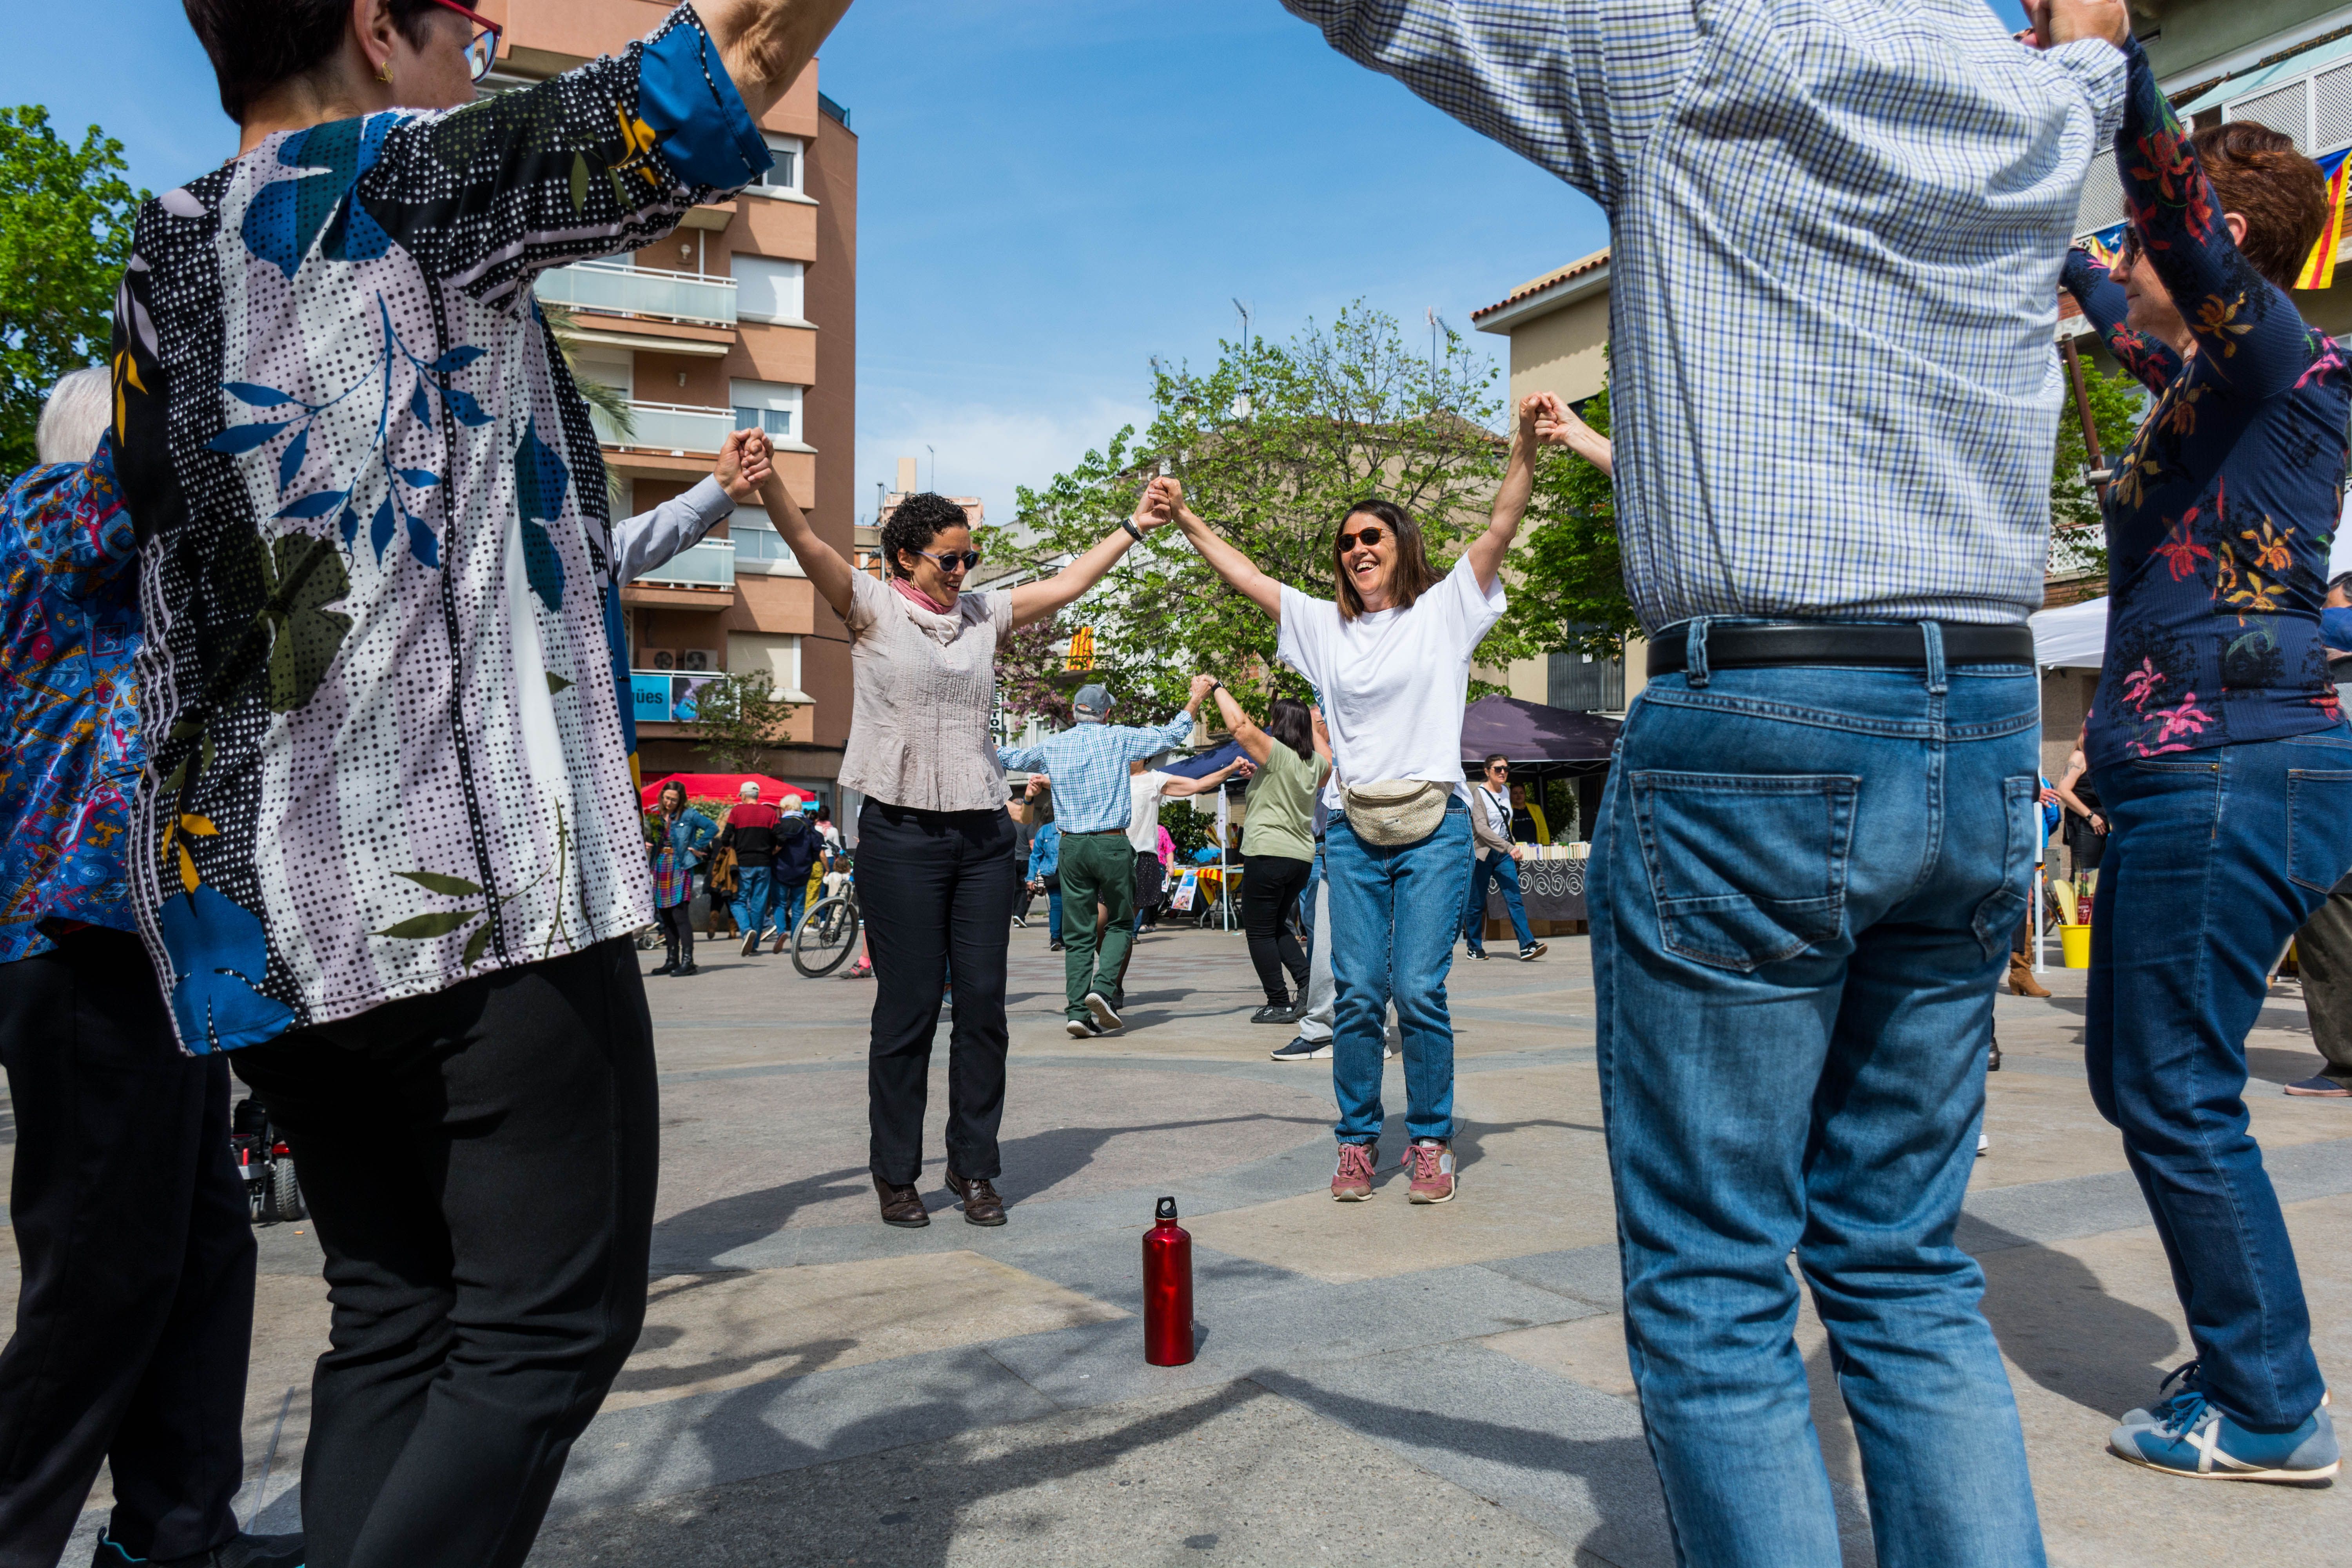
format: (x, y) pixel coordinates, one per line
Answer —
(1428, 880)
(1362, 904)
(1473, 905)
(1796, 929)
(754, 892)
(1053, 917)
(1506, 874)
(2216, 857)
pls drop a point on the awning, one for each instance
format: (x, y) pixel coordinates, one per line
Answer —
(1532, 735)
(2072, 636)
(2253, 82)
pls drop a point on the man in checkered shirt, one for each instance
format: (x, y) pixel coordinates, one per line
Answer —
(1836, 232)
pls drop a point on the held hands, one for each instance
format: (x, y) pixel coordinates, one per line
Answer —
(1201, 685)
(2056, 22)
(1154, 507)
(745, 464)
(1167, 494)
(1554, 423)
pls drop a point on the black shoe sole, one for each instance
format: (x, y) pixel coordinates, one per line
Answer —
(1000, 1219)
(906, 1224)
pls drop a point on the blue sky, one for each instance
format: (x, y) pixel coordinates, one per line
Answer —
(1051, 192)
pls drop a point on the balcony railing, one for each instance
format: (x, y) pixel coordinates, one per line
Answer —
(675, 428)
(659, 696)
(709, 564)
(616, 290)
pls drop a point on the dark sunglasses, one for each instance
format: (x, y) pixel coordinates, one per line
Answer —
(2129, 251)
(483, 51)
(1367, 537)
(971, 558)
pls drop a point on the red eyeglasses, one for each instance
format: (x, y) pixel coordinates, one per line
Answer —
(483, 52)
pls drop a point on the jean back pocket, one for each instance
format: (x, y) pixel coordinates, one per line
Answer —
(2318, 826)
(2005, 907)
(1746, 869)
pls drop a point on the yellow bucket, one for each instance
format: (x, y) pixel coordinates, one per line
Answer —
(2076, 941)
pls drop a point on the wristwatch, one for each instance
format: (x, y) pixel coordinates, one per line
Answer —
(1134, 533)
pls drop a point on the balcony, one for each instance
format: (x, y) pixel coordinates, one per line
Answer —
(677, 429)
(613, 290)
(709, 564)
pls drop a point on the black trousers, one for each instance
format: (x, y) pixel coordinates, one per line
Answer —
(480, 1165)
(132, 1232)
(937, 888)
(1270, 887)
(677, 924)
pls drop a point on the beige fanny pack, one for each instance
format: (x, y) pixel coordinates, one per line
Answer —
(1393, 813)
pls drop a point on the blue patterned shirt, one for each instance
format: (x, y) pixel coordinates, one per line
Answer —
(1089, 767)
(69, 600)
(1836, 229)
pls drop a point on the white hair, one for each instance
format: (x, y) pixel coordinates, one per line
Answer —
(749, 792)
(80, 408)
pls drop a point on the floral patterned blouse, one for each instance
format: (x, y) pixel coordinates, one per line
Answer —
(72, 742)
(2221, 513)
(382, 674)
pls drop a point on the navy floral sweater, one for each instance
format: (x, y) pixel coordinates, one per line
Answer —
(2223, 506)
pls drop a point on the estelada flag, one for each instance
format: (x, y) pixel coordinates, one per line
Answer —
(2319, 267)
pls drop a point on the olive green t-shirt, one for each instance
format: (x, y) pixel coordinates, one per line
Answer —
(1281, 804)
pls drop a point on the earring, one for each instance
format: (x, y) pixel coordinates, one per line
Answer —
(383, 72)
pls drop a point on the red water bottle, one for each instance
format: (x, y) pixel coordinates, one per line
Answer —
(1167, 1289)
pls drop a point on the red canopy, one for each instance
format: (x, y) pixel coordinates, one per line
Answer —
(722, 787)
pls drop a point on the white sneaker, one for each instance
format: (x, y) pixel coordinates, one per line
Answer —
(1984, 1145)
(1100, 1006)
(1082, 1029)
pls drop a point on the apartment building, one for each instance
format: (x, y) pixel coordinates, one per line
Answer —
(746, 315)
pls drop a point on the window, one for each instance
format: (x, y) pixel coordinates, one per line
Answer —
(771, 406)
(786, 175)
(766, 289)
(779, 656)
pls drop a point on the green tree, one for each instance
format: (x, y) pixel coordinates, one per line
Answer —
(1272, 443)
(2078, 539)
(1568, 588)
(65, 233)
(737, 717)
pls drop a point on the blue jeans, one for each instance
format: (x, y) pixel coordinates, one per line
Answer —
(794, 899)
(1306, 898)
(1392, 921)
(2214, 861)
(1802, 887)
(1496, 867)
(1053, 916)
(755, 897)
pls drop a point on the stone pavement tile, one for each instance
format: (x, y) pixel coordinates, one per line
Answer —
(705, 1333)
(1561, 1456)
(1293, 1325)
(1231, 1475)
(1589, 1274)
(1534, 1171)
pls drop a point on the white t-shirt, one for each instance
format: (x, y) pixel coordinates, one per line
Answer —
(1393, 683)
(1143, 809)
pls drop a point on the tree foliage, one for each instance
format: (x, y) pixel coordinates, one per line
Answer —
(1273, 442)
(1568, 587)
(2078, 540)
(737, 717)
(64, 234)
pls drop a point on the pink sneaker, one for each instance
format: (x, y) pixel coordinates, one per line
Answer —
(1352, 1182)
(1432, 1165)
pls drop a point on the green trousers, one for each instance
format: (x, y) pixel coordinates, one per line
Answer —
(1096, 868)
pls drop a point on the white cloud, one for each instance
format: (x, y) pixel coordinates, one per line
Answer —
(985, 449)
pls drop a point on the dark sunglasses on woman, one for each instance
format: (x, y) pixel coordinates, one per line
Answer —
(948, 560)
(1364, 536)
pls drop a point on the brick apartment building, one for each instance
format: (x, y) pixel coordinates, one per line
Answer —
(746, 315)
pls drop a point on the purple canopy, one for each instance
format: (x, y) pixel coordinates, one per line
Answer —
(1531, 734)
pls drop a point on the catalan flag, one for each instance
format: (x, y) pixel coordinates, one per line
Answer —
(2319, 268)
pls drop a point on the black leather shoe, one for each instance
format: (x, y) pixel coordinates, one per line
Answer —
(669, 968)
(901, 1206)
(981, 1204)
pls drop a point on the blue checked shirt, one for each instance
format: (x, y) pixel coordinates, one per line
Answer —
(1836, 231)
(1089, 767)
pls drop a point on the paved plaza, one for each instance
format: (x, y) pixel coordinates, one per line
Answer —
(1375, 1382)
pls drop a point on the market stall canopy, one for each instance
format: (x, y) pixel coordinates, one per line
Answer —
(2072, 636)
(722, 787)
(1204, 764)
(1533, 735)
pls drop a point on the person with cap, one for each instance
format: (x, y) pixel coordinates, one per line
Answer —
(1088, 765)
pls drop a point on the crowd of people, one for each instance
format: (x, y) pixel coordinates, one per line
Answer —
(320, 759)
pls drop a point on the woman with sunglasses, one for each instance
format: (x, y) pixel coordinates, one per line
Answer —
(1390, 657)
(2222, 761)
(935, 847)
(395, 855)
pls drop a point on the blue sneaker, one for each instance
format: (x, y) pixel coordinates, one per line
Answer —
(2184, 1374)
(2194, 1439)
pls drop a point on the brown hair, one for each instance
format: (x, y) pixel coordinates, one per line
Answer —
(1410, 575)
(2257, 173)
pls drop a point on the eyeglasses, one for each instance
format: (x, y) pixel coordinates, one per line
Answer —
(2129, 251)
(483, 51)
(949, 560)
(1368, 537)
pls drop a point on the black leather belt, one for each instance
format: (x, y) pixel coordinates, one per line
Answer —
(1761, 644)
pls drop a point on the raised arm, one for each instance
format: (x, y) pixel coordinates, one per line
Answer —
(1228, 563)
(1487, 550)
(767, 43)
(826, 568)
(1176, 788)
(653, 538)
(2150, 359)
(1252, 739)
(1034, 602)
(1560, 425)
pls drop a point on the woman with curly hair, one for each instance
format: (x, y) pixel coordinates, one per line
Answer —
(2220, 754)
(936, 871)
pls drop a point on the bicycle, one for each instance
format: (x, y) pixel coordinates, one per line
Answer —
(828, 932)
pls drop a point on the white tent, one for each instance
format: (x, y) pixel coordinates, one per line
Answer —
(2072, 636)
